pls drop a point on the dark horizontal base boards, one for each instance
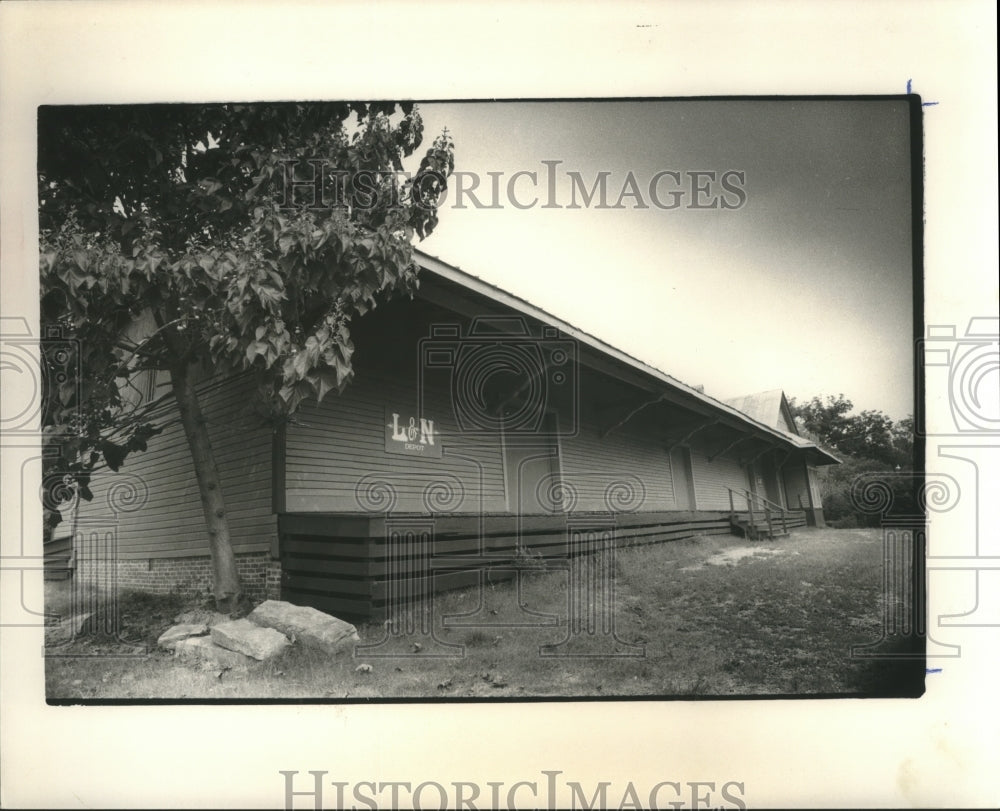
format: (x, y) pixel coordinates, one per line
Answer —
(364, 567)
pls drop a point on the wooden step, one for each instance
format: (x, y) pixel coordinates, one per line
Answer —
(759, 530)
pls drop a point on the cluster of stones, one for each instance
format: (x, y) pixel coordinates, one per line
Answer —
(266, 632)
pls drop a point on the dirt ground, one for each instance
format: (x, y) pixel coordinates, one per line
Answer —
(701, 617)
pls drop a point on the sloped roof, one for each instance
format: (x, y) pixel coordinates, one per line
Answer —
(473, 283)
(767, 407)
(764, 406)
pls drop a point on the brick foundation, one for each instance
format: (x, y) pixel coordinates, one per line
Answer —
(261, 576)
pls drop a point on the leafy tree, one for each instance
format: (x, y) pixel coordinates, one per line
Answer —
(868, 442)
(827, 421)
(903, 433)
(247, 237)
(869, 434)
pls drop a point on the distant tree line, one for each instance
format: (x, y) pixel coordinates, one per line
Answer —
(869, 442)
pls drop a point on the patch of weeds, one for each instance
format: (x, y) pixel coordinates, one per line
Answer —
(697, 687)
(527, 559)
(478, 639)
(628, 541)
(768, 626)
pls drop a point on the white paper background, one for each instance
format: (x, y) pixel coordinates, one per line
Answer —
(938, 751)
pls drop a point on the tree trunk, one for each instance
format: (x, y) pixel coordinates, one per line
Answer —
(227, 589)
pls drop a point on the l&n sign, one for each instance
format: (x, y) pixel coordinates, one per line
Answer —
(410, 436)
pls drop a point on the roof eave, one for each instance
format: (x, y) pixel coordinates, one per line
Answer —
(497, 294)
(819, 457)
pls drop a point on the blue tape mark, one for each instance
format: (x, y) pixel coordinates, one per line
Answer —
(909, 90)
(933, 669)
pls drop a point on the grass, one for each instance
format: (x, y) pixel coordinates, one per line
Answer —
(715, 616)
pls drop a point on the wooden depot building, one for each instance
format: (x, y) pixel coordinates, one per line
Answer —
(479, 432)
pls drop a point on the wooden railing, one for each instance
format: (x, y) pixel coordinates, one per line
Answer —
(767, 507)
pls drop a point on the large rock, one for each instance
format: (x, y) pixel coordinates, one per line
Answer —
(69, 629)
(203, 650)
(247, 638)
(309, 627)
(169, 638)
(201, 617)
(79, 623)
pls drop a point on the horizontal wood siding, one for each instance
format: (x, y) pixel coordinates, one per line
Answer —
(171, 523)
(625, 470)
(365, 567)
(336, 459)
(712, 478)
(58, 560)
(331, 574)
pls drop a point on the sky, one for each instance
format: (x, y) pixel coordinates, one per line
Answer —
(799, 278)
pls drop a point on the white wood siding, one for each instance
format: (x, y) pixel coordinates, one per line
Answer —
(627, 461)
(171, 522)
(336, 449)
(712, 478)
